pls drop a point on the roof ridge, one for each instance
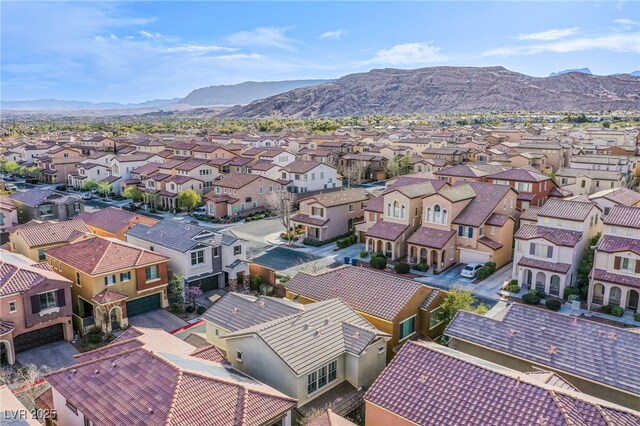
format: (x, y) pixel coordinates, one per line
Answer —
(110, 345)
(101, 257)
(561, 407)
(244, 406)
(91, 361)
(174, 398)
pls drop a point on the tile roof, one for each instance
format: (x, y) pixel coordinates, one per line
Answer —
(624, 216)
(430, 237)
(458, 193)
(614, 244)
(338, 198)
(97, 256)
(386, 230)
(521, 175)
(305, 218)
(583, 348)
(430, 384)
(494, 245)
(235, 180)
(329, 418)
(557, 236)
(375, 293)
(566, 209)
(622, 195)
(210, 353)
(18, 275)
(301, 166)
(108, 296)
(610, 277)
(375, 204)
(562, 268)
(417, 190)
(6, 327)
(597, 174)
(342, 399)
(426, 303)
(176, 236)
(497, 219)
(235, 311)
(110, 219)
(486, 200)
(323, 331)
(530, 214)
(36, 196)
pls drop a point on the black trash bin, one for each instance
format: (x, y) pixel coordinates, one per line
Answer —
(346, 260)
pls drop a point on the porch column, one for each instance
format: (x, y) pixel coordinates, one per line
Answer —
(623, 297)
(605, 300)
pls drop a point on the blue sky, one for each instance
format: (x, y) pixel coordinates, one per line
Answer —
(137, 51)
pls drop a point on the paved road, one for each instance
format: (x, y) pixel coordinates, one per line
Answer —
(54, 355)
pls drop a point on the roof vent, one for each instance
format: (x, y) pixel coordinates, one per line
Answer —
(613, 336)
(542, 421)
(575, 321)
(318, 332)
(262, 304)
(423, 378)
(97, 371)
(150, 410)
(326, 321)
(113, 364)
(600, 333)
(236, 310)
(305, 326)
(553, 350)
(512, 332)
(518, 381)
(74, 371)
(357, 335)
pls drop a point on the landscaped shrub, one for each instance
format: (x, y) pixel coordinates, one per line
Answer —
(541, 294)
(363, 254)
(491, 266)
(569, 291)
(514, 287)
(315, 243)
(606, 309)
(94, 339)
(201, 310)
(513, 282)
(189, 309)
(377, 254)
(531, 299)
(617, 311)
(312, 242)
(483, 273)
(346, 241)
(553, 304)
(175, 308)
(636, 316)
(401, 268)
(378, 262)
(94, 330)
(422, 267)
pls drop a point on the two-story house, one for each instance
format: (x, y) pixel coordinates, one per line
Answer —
(555, 154)
(32, 239)
(306, 176)
(363, 166)
(608, 198)
(240, 194)
(324, 353)
(87, 171)
(8, 215)
(35, 306)
(615, 279)
(113, 222)
(587, 182)
(45, 204)
(112, 280)
(468, 172)
(452, 155)
(198, 169)
(328, 215)
(547, 254)
(533, 187)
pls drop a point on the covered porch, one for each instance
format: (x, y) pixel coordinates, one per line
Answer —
(433, 247)
(615, 289)
(385, 237)
(315, 228)
(551, 278)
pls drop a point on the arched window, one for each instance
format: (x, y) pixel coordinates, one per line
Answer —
(445, 216)
(429, 218)
(402, 212)
(396, 209)
(614, 296)
(554, 288)
(541, 281)
(389, 209)
(437, 214)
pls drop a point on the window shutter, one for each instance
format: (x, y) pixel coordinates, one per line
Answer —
(470, 232)
(460, 230)
(549, 251)
(616, 262)
(637, 266)
(532, 248)
(61, 298)
(35, 304)
(106, 282)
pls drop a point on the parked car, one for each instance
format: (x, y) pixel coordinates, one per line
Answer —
(10, 187)
(132, 207)
(471, 269)
(202, 210)
(9, 178)
(87, 196)
(32, 181)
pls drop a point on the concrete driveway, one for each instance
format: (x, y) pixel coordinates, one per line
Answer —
(54, 355)
(281, 258)
(160, 318)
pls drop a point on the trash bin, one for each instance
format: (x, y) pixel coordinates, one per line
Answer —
(346, 260)
(354, 262)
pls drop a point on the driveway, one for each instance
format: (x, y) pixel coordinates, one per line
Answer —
(281, 258)
(54, 355)
(159, 318)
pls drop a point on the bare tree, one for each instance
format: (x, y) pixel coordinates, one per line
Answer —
(353, 171)
(26, 378)
(281, 204)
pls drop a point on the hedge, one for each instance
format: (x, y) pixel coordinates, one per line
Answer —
(378, 262)
(617, 311)
(541, 294)
(94, 339)
(401, 268)
(346, 241)
(514, 287)
(363, 254)
(531, 299)
(553, 304)
(483, 273)
(317, 243)
(189, 309)
(201, 310)
(569, 291)
(422, 267)
(378, 254)
(636, 316)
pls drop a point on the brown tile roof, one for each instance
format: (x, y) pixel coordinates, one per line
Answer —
(375, 204)
(341, 399)
(46, 233)
(429, 384)
(560, 237)
(110, 219)
(566, 209)
(530, 214)
(18, 278)
(562, 268)
(386, 230)
(497, 219)
(430, 237)
(486, 200)
(628, 217)
(622, 195)
(338, 198)
(490, 243)
(306, 219)
(365, 290)
(614, 244)
(108, 296)
(329, 418)
(521, 175)
(6, 327)
(235, 180)
(301, 166)
(610, 277)
(97, 256)
(210, 353)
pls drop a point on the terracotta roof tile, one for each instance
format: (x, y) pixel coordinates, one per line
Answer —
(108, 296)
(306, 219)
(610, 277)
(562, 268)
(566, 209)
(430, 237)
(557, 236)
(490, 243)
(386, 230)
(486, 200)
(497, 219)
(46, 233)
(614, 244)
(624, 216)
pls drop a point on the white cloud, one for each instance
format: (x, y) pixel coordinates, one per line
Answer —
(627, 22)
(623, 43)
(200, 48)
(149, 34)
(263, 37)
(550, 34)
(333, 35)
(408, 54)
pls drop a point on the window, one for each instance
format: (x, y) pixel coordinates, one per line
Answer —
(239, 356)
(217, 332)
(150, 248)
(87, 422)
(260, 190)
(435, 318)
(78, 278)
(607, 210)
(525, 205)
(71, 407)
(522, 186)
(407, 327)
(628, 264)
(46, 210)
(13, 307)
(41, 255)
(197, 257)
(481, 231)
(110, 279)
(317, 211)
(125, 276)
(332, 370)
(350, 208)
(321, 377)
(437, 214)
(270, 189)
(152, 272)
(312, 382)
(47, 300)
(237, 250)
(493, 230)
(216, 251)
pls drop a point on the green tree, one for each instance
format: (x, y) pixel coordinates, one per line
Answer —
(175, 293)
(89, 185)
(132, 193)
(188, 199)
(606, 124)
(10, 167)
(32, 171)
(586, 263)
(104, 188)
(399, 165)
(459, 300)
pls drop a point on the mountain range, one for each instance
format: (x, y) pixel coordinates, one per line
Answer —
(449, 90)
(582, 70)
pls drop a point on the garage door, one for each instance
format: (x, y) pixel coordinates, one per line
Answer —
(143, 304)
(470, 256)
(37, 338)
(206, 284)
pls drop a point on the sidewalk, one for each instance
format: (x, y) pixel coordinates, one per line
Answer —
(625, 319)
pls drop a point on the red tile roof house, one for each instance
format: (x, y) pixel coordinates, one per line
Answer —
(35, 306)
(430, 384)
(309, 176)
(598, 359)
(547, 254)
(468, 172)
(240, 194)
(149, 377)
(615, 279)
(533, 187)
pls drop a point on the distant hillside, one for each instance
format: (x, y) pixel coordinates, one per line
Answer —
(636, 73)
(61, 105)
(449, 89)
(581, 70)
(243, 93)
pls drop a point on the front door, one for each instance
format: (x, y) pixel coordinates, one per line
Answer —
(114, 319)
(633, 300)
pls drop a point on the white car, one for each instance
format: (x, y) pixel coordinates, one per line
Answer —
(202, 210)
(10, 187)
(87, 196)
(471, 269)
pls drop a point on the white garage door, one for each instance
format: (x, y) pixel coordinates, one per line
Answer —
(471, 256)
